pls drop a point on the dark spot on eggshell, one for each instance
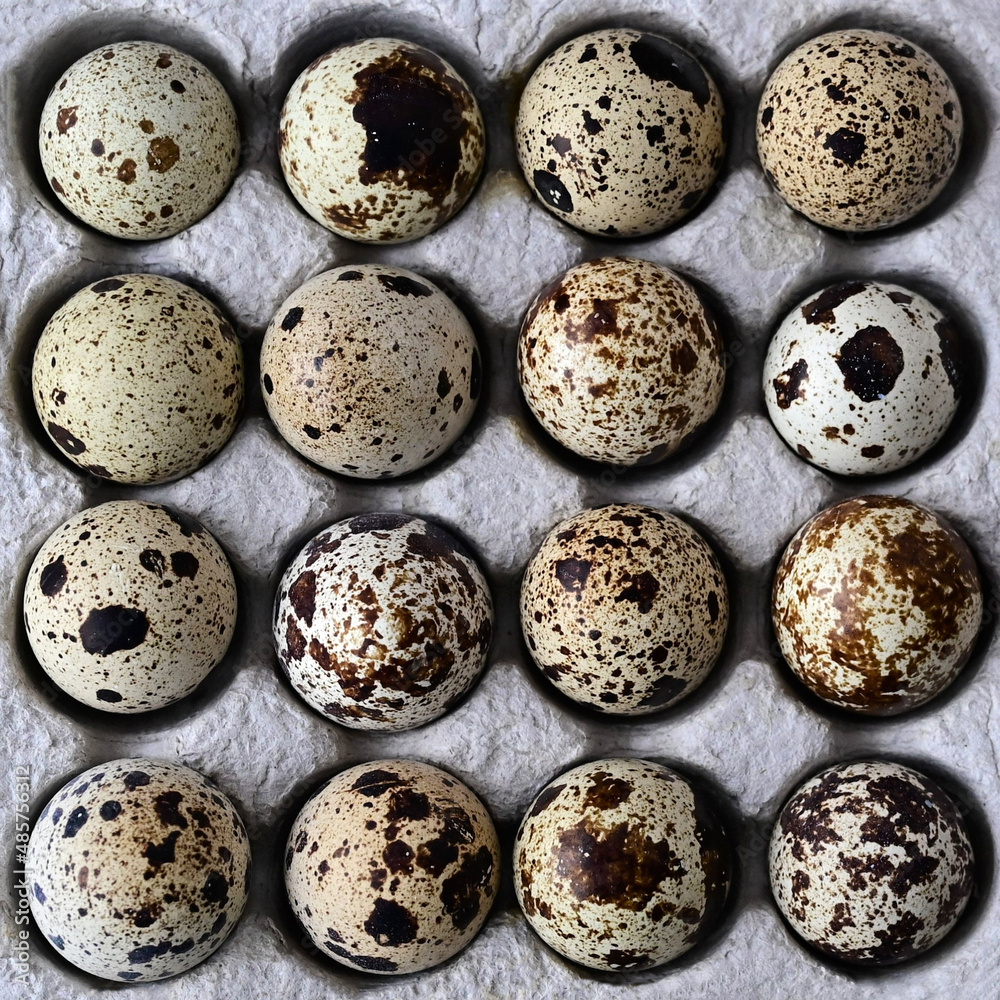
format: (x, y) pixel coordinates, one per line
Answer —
(53, 577)
(111, 810)
(112, 629)
(766, 116)
(107, 285)
(107, 695)
(97, 147)
(552, 191)
(66, 119)
(177, 87)
(184, 564)
(367, 962)
(606, 791)
(545, 799)
(377, 782)
(870, 361)
(166, 805)
(589, 52)
(641, 592)
(573, 573)
(69, 442)
(216, 889)
(378, 522)
(391, 924)
(462, 892)
(77, 818)
(952, 354)
(821, 309)
(401, 284)
(153, 560)
(162, 154)
(407, 805)
(665, 690)
(302, 595)
(873, 451)
(292, 319)
(136, 779)
(163, 853)
(846, 145)
(788, 385)
(188, 525)
(662, 61)
(126, 171)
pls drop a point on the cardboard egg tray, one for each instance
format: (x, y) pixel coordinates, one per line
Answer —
(749, 733)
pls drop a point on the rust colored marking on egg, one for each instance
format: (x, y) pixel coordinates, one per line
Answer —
(462, 892)
(126, 171)
(683, 358)
(295, 641)
(162, 154)
(606, 791)
(870, 361)
(788, 385)
(66, 119)
(302, 595)
(821, 308)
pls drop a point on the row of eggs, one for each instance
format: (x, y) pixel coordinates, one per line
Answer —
(384, 621)
(619, 132)
(138, 869)
(373, 372)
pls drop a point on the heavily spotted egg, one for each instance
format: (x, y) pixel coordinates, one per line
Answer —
(877, 604)
(129, 605)
(370, 371)
(621, 864)
(870, 862)
(624, 608)
(383, 621)
(381, 140)
(392, 866)
(139, 140)
(138, 869)
(620, 132)
(620, 361)
(138, 378)
(864, 377)
(859, 130)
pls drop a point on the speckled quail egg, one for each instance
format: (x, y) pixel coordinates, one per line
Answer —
(859, 130)
(870, 862)
(383, 621)
(129, 605)
(381, 140)
(139, 140)
(370, 371)
(138, 378)
(392, 866)
(877, 603)
(620, 361)
(624, 608)
(621, 864)
(620, 132)
(864, 377)
(138, 869)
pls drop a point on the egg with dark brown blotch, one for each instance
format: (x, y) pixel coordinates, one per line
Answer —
(871, 863)
(392, 866)
(859, 130)
(876, 604)
(383, 621)
(621, 361)
(622, 864)
(624, 608)
(620, 132)
(129, 605)
(137, 869)
(864, 377)
(370, 371)
(381, 140)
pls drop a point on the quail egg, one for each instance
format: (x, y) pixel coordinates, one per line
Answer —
(392, 866)
(383, 621)
(138, 869)
(864, 377)
(876, 604)
(129, 605)
(138, 378)
(624, 608)
(870, 862)
(370, 371)
(859, 130)
(620, 361)
(621, 864)
(139, 140)
(620, 132)
(381, 141)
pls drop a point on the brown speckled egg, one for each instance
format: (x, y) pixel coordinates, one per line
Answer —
(138, 869)
(620, 132)
(138, 378)
(383, 621)
(859, 130)
(620, 361)
(381, 140)
(621, 864)
(624, 608)
(876, 604)
(392, 866)
(129, 605)
(139, 140)
(870, 862)
(864, 377)
(370, 371)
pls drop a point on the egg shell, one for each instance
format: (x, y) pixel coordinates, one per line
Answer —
(621, 864)
(859, 130)
(870, 862)
(370, 371)
(139, 140)
(864, 377)
(620, 132)
(381, 140)
(138, 378)
(624, 608)
(383, 621)
(877, 604)
(620, 361)
(392, 866)
(129, 605)
(138, 869)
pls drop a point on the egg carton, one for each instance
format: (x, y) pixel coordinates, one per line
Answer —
(748, 733)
